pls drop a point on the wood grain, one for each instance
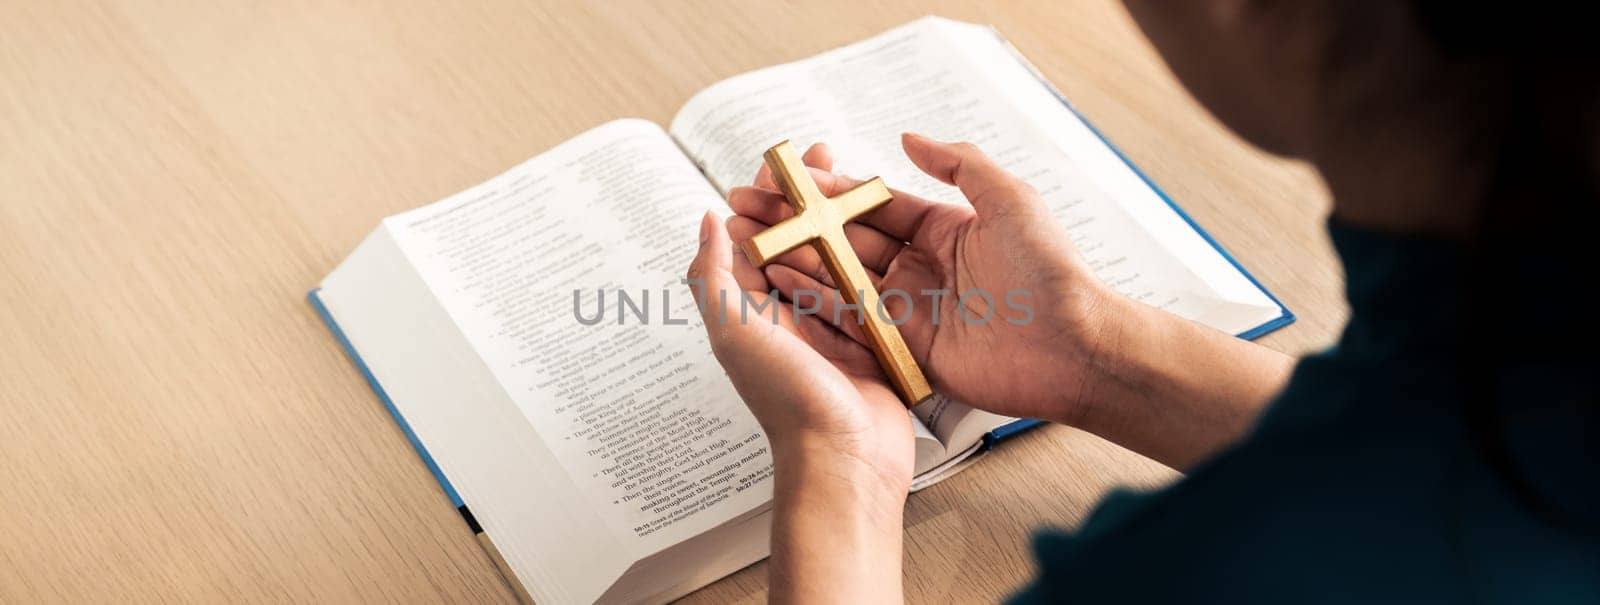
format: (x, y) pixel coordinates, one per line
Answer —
(175, 423)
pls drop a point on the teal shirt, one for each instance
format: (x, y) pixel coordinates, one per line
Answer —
(1447, 449)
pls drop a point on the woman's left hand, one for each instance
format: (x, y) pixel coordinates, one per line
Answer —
(818, 394)
(842, 443)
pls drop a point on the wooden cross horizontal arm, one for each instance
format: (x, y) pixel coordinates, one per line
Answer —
(802, 194)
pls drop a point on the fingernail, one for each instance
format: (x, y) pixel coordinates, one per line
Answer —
(915, 136)
(706, 226)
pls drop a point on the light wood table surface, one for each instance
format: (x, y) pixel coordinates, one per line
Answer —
(177, 425)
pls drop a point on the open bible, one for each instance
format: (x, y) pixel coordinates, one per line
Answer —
(534, 338)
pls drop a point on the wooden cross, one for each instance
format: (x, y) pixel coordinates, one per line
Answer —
(819, 221)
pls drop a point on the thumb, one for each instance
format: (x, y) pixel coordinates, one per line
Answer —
(988, 187)
(710, 275)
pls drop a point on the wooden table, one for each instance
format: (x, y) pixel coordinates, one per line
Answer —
(176, 424)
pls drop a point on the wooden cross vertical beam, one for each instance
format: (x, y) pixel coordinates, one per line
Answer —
(819, 220)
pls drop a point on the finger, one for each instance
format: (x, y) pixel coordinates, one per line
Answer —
(820, 302)
(812, 297)
(764, 177)
(748, 276)
(900, 220)
(844, 350)
(875, 249)
(987, 186)
(846, 353)
(818, 156)
(902, 217)
(819, 159)
(711, 278)
(765, 205)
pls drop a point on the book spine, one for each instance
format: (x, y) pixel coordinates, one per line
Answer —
(372, 381)
(422, 452)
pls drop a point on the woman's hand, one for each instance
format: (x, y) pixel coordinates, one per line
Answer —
(841, 441)
(1003, 315)
(806, 383)
(1078, 354)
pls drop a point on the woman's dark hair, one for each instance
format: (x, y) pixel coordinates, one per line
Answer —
(1532, 29)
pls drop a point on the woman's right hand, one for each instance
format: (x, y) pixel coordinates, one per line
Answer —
(1034, 356)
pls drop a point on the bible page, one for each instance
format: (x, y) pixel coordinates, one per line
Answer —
(960, 82)
(955, 81)
(565, 275)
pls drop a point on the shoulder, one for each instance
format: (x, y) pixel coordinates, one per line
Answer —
(1337, 509)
